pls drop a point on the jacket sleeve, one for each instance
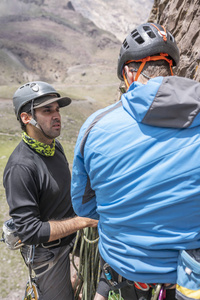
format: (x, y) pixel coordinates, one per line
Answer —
(23, 200)
(83, 197)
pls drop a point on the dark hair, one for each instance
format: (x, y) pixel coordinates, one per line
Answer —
(25, 108)
(153, 68)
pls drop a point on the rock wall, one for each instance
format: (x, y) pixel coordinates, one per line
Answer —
(182, 19)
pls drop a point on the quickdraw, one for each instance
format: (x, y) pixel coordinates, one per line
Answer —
(31, 292)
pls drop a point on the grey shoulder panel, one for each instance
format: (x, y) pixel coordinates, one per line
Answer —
(99, 117)
(89, 193)
(176, 103)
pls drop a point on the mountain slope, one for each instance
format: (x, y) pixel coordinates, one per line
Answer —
(118, 17)
(42, 42)
(65, 42)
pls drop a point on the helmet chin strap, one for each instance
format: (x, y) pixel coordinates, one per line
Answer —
(33, 121)
(37, 125)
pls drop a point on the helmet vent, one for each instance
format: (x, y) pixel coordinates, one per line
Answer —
(125, 44)
(149, 31)
(134, 33)
(137, 37)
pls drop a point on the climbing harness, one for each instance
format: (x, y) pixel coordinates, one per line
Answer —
(88, 271)
(158, 291)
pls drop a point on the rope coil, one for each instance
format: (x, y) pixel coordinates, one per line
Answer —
(88, 271)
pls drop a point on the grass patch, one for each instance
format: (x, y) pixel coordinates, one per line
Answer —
(6, 92)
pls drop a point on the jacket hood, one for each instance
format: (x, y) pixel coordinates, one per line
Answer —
(164, 102)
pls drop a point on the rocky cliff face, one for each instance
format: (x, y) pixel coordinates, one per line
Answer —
(182, 19)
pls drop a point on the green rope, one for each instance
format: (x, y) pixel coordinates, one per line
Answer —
(88, 272)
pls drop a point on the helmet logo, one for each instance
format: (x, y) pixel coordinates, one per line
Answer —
(35, 87)
(162, 33)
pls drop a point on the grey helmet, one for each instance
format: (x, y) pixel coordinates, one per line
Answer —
(147, 40)
(36, 90)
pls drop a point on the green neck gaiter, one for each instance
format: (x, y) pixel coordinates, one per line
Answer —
(41, 148)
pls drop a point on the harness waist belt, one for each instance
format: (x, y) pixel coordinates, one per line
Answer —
(58, 243)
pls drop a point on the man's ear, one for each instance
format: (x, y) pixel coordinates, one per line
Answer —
(25, 117)
(129, 75)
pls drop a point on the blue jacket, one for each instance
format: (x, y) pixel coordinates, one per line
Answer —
(137, 168)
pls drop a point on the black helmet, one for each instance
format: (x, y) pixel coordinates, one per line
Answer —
(147, 40)
(37, 91)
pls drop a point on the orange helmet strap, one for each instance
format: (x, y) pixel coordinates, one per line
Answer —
(125, 80)
(162, 56)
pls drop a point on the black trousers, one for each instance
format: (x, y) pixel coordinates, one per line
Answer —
(53, 283)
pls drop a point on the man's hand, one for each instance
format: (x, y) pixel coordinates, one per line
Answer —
(60, 229)
(91, 222)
